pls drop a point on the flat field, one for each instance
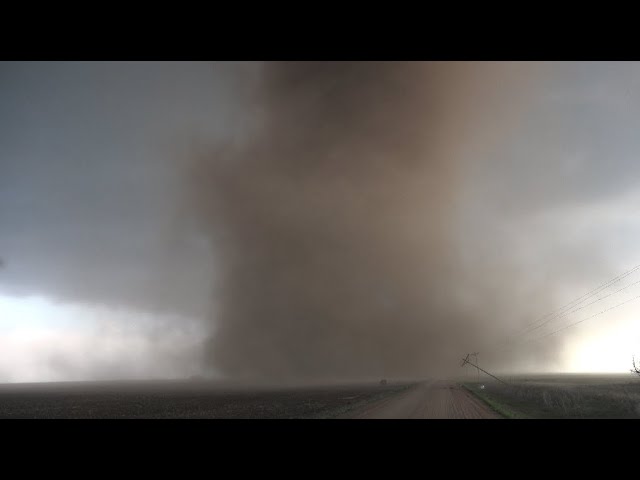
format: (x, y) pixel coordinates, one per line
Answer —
(563, 396)
(185, 399)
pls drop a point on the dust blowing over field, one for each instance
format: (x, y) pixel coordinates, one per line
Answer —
(333, 220)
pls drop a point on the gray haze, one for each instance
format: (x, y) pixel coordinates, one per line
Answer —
(318, 220)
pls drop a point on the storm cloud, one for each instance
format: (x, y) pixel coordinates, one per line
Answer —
(320, 220)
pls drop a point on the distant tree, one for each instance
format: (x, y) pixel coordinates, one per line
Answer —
(636, 368)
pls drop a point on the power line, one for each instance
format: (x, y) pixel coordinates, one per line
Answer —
(570, 308)
(585, 319)
(574, 303)
(584, 306)
(577, 301)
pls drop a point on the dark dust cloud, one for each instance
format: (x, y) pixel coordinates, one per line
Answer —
(334, 224)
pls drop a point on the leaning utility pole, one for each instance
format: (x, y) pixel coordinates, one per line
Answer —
(466, 361)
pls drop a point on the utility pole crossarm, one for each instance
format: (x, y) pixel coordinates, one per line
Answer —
(465, 360)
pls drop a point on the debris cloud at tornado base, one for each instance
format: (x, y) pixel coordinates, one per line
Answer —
(335, 221)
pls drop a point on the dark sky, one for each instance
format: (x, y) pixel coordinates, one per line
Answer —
(88, 184)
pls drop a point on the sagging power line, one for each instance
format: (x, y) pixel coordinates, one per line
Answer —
(574, 303)
(563, 312)
(584, 319)
(566, 314)
(519, 338)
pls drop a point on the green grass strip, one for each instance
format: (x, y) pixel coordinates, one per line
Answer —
(496, 406)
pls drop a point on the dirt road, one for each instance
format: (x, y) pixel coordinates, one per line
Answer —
(427, 400)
